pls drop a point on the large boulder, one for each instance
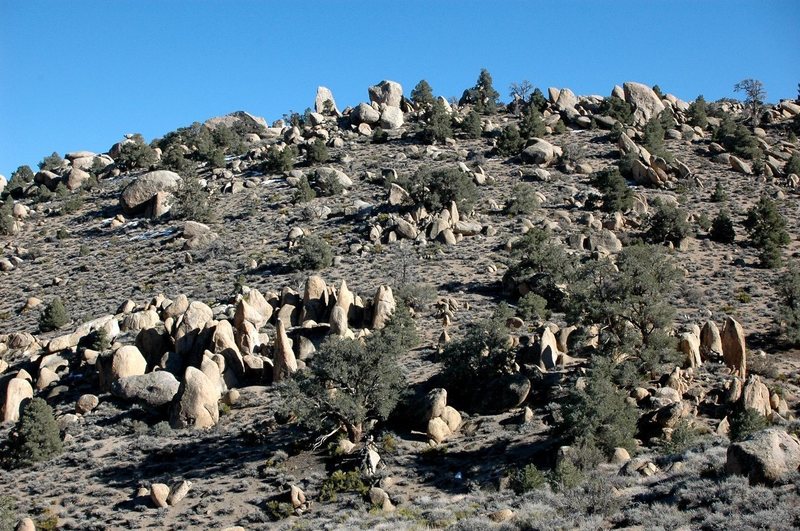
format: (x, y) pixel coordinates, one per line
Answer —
(767, 456)
(324, 102)
(384, 306)
(540, 152)
(125, 361)
(154, 389)
(18, 392)
(710, 340)
(645, 101)
(137, 196)
(755, 396)
(734, 351)
(284, 362)
(365, 114)
(197, 403)
(389, 93)
(392, 118)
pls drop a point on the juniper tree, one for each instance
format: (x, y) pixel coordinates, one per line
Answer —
(36, 436)
(766, 228)
(788, 288)
(754, 97)
(422, 94)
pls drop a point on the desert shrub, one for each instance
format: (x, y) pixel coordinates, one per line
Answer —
(617, 195)
(312, 252)
(8, 511)
(52, 162)
(100, 341)
(532, 125)
(435, 188)
(328, 184)
(191, 201)
(532, 306)
(482, 96)
(792, 165)
(277, 510)
(174, 159)
(617, 108)
(471, 126)
(54, 316)
(599, 415)
(560, 128)
(317, 152)
(788, 289)
(7, 221)
(415, 295)
(541, 265)
(722, 230)
(422, 94)
(480, 356)
(704, 222)
(566, 475)
(379, 136)
(510, 142)
(698, 112)
(303, 192)
(682, 438)
(281, 160)
(667, 224)
(630, 302)
(719, 194)
(523, 200)
(339, 482)
(538, 100)
(35, 438)
(625, 164)
(21, 178)
(654, 138)
(526, 479)
(366, 377)
(737, 139)
(744, 421)
(766, 228)
(438, 127)
(136, 154)
(72, 202)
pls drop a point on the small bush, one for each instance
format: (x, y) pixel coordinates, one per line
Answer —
(510, 142)
(36, 437)
(532, 125)
(526, 479)
(471, 126)
(654, 138)
(766, 228)
(192, 201)
(698, 112)
(438, 127)
(136, 154)
(54, 316)
(340, 482)
(722, 230)
(617, 108)
(379, 136)
(745, 421)
(719, 194)
(523, 200)
(422, 94)
(737, 139)
(566, 476)
(7, 221)
(8, 511)
(317, 152)
(436, 188)
(617, 195)
(304, 193)
(788, 289)
(681, 439)
(792, 165)
(21, 178)
(277, 511)
(533, 307)
(52, 162)
(281, 160)
(312, 252)
(667, 224)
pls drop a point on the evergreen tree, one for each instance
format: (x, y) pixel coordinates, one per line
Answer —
(422, 94)
(767, 230)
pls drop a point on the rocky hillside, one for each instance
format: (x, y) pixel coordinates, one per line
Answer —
(561, 312)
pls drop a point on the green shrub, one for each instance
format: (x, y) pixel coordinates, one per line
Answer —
(482, 96)
(788, 289)
(312, 252)
(566, 476)
(510, 142)
(136, 154)
(281, 160)
(54, 316)
(722, 230)
(303, 192)
(8, 513)
(654, 138)
(101, 342)
(36, 437)
(667, 224)
(541, 265)
(438, 127)
(538, 100)
(682, 438)
(72, 203)
(767, 231)
(52, 163)
(704, 222)
(471, 126)
(617, 195)
(21, 178)
(719, 194)
(340, 482)
(7, 222)
(317, 152)
(422, 94)
(698, 112)
(523, 200)
(560, 128)
(531, 306)
(532, 125)
(436, 188)
(745, 421)
(792, 165)
(277, 511)
(617, 108)
(599, 414)
(379, 136)
(191, 201)
(737, 139)
(174, 159)
(526, 479)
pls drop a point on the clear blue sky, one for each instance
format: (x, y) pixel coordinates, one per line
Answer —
(79, 74)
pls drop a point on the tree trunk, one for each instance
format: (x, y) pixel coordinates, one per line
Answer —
(355, 432)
